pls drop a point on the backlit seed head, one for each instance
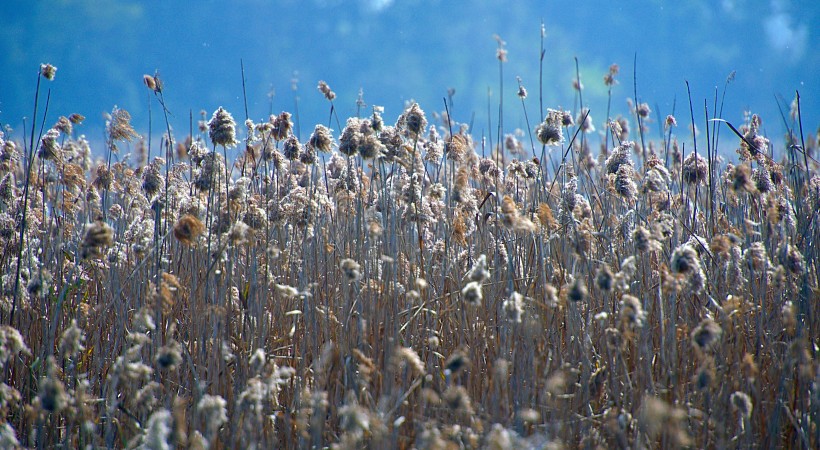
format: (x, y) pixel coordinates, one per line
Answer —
(412, 121)
(321, 139)
(514, 307)
(326, 91)
(292, 148)
(222, 128)
(150, 82)
(188, 228)
(48, 71)
(694, 169)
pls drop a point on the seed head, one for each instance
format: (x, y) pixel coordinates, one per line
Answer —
(609, 78)
(169, 356)
(119, 126)
(11, 344)
(706, 335)
(577, 291)
(522, 92)
(351, 137)
(763, 179)
(282, 126)
(625, 184)
(292, 148)
(98, 236)
(549, 132)
(412, 121)
(150, 82)
(53, 397)
(371, 147)
(48, 71)
(479, 272)
(188, 228)
(643, 110)
(604, 279)
(685, 259)
(694, 169)
(514, 307)
(321, 139)
(632, 314)
(456, 363)
(472, 293)
(49, 148)
(620, 156)
(457, 398)
(742, 403)
(350, 269)
(325, 90)
(222, 128)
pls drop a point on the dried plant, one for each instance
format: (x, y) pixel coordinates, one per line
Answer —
(409, 286)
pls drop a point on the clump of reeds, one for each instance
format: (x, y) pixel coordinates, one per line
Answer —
(409, 284)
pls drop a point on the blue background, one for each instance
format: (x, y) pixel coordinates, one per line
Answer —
(400, 50)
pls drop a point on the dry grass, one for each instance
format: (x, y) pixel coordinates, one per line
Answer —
(410, 286)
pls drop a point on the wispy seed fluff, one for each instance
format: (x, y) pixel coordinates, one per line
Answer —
(549, 131)
(514, 307)
(620, 156)
(188, 228)
(48, 71)
(472, 293)
(321, 139)
(326, 91)
(632, 314)
(98, 236)
(742, 403)
(706, 335)
(350, 269)
(577, 291)
(412, 121)
(222, 128)
(479, 272)
(694, 169)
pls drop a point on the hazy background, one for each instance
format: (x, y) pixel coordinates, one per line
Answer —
(397, 50)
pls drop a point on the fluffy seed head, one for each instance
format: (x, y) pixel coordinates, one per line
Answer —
(632, 314)
(350, 269)
(694, 169)
(742, 403)
(321, 139)
(188, 228)
(222, 128)
(412, 121)
(98, 236)
(48, 71)
(706, 335)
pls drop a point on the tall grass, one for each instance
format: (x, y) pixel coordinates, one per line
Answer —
(412, 285)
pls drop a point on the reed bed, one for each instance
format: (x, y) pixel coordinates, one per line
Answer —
(577, 284)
